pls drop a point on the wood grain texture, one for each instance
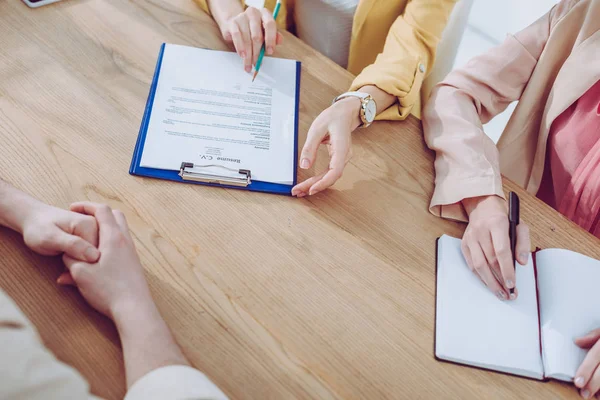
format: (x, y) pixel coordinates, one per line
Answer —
(328, 297)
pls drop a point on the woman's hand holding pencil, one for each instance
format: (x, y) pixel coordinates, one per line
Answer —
(249, 31)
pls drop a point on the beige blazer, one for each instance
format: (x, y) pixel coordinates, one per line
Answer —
(29, 371)
(545, 67)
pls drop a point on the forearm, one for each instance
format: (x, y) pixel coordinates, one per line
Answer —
(467, 163)
(224, 10)
(147, 341)
(15, 206)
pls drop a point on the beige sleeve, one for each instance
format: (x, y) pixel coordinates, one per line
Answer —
(174, 382)
(467, 160)
(28, 370)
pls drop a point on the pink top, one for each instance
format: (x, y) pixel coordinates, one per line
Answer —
(571, 182)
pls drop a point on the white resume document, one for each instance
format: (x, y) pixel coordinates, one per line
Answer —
(207, 111)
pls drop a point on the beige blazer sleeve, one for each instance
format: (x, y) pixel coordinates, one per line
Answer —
(467, 161)
(174, 382)
(27, 369)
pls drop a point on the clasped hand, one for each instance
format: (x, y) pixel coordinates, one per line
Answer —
(97, 249)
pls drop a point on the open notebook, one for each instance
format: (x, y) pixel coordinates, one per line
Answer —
(531, 336)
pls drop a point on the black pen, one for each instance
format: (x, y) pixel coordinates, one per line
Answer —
(513, 220)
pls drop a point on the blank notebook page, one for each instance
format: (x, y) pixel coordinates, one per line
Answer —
(476, 328)
(568, 285)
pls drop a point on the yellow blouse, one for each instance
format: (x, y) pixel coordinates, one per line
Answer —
(393, 46)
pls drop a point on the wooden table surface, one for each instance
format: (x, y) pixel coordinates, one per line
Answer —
(328, 297)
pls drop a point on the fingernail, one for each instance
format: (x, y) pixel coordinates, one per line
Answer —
(510, 284)
(579, 381)
(248, 68)
(304, 163)
(313, 192)
(269, 50)
(243, 54)
(91, 254)
(585, 394)
(501, 295)
(513, 296)
(523, 257)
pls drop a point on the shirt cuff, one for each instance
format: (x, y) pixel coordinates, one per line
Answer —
(174, 382)
(449, 193)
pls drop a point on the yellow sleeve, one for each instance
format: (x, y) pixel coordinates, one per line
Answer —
(408, 55)
(203, 5)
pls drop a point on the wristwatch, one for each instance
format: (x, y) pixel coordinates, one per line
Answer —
(368, 109)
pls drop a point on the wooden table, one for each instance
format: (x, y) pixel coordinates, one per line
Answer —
(273, 297)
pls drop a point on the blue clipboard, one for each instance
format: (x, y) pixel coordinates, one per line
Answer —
(256, 186)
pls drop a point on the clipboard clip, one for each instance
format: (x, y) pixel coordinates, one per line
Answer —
(244, 179)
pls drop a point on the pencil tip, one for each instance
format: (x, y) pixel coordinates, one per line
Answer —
(254, 77)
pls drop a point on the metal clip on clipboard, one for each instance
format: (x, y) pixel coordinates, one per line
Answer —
(243, 180)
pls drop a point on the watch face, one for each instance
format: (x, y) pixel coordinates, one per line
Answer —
(371, 111)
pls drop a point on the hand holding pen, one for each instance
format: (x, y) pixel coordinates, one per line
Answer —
(487, 245)
(253, 33)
